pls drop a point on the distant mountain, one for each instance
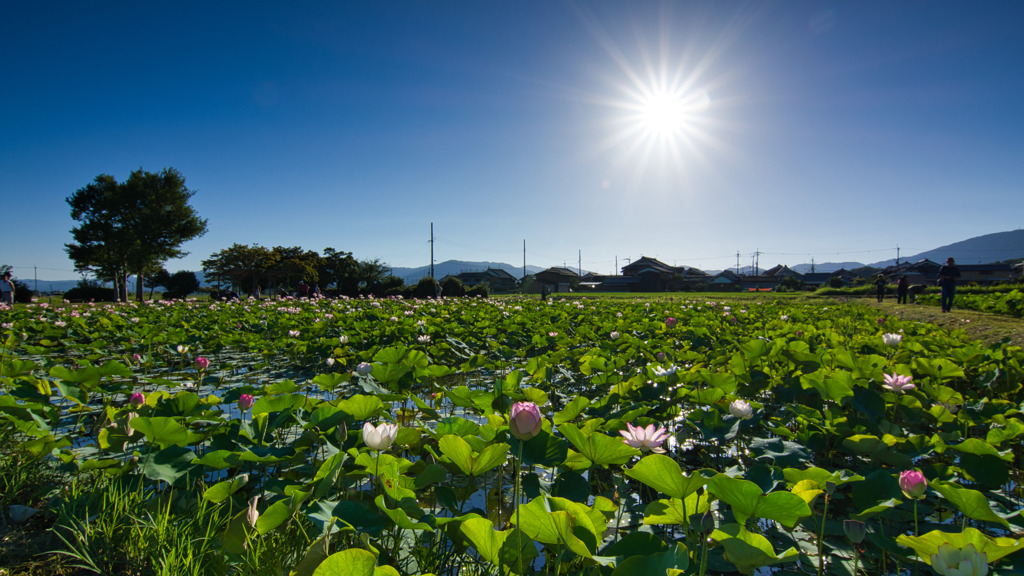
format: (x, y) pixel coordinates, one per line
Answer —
(978, 250)
(826, 267)
(453, 267)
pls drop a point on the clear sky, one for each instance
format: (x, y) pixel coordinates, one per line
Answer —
(684, 131)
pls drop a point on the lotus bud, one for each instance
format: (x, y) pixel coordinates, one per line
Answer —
(913, 484)
(855, 530)
(525, 420)
(364, 368)
(245, 401)
(202, 363)
(251, 513)
(137, 399)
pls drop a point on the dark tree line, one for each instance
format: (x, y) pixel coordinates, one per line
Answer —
(251, 269)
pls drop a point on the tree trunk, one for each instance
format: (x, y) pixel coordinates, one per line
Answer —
(139, 294)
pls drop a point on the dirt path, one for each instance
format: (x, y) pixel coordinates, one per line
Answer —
(989, 328)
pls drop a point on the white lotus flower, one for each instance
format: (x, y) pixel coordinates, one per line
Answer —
(380, 437)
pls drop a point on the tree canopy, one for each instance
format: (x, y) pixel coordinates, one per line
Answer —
(244, 268)
(132, 226)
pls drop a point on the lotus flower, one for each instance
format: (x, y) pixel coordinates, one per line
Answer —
(245, 401)
(614, 335)
(892, 340)
(364, 368)
(913, 484)
(898, 383)
(670, 323)
(967, 561)
(329, 362)
(137, 399)
(645, 439)
(202, 363)
(662, 372)
(525, 421)
(251, 513)
(380, 437)
(741, 409)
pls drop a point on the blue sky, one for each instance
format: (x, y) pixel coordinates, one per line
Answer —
(685, 131)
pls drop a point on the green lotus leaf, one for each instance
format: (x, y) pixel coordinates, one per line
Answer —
(221, 491)
(928, 544)
(170, 464)
(971, 503)
(600, 449)
(401, 516)
(459, 451)
(747, 500)
(498, 546)
(748, 551)
(269, 404)
(350, 562)
(362, 407)
(671, 562)
(664, 475)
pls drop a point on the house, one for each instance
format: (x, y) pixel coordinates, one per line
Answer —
(724, 281)
(498, 280)
(985, 273)
(554, 280)
(656, 276)
(920, 272)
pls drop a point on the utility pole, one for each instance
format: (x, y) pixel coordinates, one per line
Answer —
(616, 271)
(737, 262)
(812, 264)
(579, 263)
(524, 258)
(897, 255)
(431, 249)
(35, 272)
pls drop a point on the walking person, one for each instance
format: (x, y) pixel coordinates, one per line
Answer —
(948, 274)
(7, 289)
(902, 289)
(880, 283)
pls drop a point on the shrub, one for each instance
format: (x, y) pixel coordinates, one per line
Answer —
(452, 286)
(180, 285)
(481, 290)
(425, 288)
(89, 293)
(22, 293)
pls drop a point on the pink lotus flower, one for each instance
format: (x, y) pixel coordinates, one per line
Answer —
(202, 363)
(251, 513)
(525, 421)
(913, 484)
(137, 399)
(898, 383)
(645, 439)
(245, 401)
(670, 323)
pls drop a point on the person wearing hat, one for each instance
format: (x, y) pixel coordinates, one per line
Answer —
(948, 273)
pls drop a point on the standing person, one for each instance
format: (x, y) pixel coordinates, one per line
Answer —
(948, 274)
(7, 289)
(902, 288)
(880, 287)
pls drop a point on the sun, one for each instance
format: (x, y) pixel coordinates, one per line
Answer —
(670, 114)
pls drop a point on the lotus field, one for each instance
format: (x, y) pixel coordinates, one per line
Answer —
(507, 436)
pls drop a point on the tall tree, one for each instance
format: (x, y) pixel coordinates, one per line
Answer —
(132, 227)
